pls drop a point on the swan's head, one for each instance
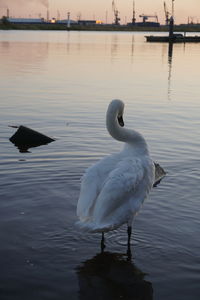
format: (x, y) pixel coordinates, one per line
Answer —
(116, 110)
(114, 124)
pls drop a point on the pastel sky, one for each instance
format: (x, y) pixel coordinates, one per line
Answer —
(98, 9)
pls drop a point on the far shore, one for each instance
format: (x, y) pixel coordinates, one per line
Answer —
(75, 27)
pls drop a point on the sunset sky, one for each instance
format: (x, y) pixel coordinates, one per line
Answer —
(98, 9)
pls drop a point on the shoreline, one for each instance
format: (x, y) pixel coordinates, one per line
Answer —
(162, 28)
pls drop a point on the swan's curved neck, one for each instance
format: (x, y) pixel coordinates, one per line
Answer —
(120, 133)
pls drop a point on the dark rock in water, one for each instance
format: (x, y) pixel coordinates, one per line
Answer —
(25, 138)
(159, 174)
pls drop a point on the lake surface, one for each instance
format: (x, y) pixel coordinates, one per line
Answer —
(60, 84)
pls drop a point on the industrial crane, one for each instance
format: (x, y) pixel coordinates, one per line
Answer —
(173, 8)
(133, 19)
(167, 14)
(116, 13)
(145, 17)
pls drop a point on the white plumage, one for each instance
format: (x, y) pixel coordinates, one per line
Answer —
(113, 189)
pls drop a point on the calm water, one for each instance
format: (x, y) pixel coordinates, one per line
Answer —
(60, 84)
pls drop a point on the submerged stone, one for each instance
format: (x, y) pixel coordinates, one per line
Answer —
(159, 174)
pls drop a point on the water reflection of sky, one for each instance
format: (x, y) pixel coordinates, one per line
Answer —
(132, 62)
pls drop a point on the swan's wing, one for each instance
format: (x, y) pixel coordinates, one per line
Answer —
(91, 184)
(88, 194)
(122, 194)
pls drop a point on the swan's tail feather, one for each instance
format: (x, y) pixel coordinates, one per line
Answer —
(84, 226)
(92, 227)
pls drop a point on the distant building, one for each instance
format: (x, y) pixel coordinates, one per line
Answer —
(145, 24)
(87, 22)
(25, 21)
(66, 21)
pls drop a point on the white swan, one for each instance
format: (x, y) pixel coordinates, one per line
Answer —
(113, 189)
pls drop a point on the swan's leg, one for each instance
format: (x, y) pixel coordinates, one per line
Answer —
(103, 246)
(129, 231)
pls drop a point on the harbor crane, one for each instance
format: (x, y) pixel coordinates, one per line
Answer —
(145, 17)
(193, 20)
(167, 14)
(173, 8)
(116, 13)
(133, 19)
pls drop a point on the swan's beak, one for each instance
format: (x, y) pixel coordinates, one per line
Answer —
(120, 121)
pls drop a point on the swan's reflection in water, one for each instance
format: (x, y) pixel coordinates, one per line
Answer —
(110, 276)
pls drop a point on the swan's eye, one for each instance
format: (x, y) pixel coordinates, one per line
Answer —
(120, 121)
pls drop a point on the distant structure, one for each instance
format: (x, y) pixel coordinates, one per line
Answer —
(26, 21)
(68, 20)
(79, 16)
(106, 17)
(116, 13)
(133, 18)
(58, 15)
(47, 15)
(171, 29)
(87, 22)
(65, 21)
(29, 21)
(145, 17)
(167, 14)
(173, 9)
(145, 22)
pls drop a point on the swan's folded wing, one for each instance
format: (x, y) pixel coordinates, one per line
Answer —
(91, 184)
(88, 195)
(127, 184)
